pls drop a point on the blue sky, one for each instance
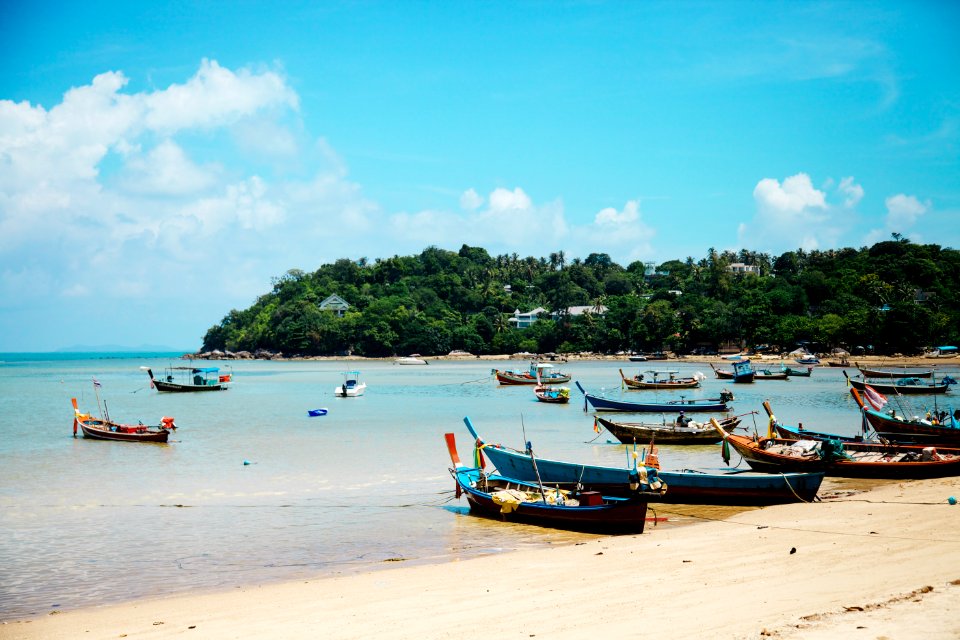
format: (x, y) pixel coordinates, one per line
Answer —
(161, 162)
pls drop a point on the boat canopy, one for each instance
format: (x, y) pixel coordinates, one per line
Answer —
(947, 349)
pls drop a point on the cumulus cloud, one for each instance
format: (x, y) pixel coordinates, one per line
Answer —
(903, 212)
(853, 193)
(794, 214)
(470, 200)
(151, 196)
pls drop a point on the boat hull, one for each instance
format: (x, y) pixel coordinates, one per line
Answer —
(175, 387)
(683, 487)
(102, 430)
(902, 389)
(612, 515)
(628, 433)
(763, 455)
(903, 373)
(600, 403)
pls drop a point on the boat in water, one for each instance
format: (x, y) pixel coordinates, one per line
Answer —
(741, 372)
(183, 379)
(662, 380)
(351, 387)
(680, 431)
(103, 428)
(603, 403)
(412, 359)
(539, 373)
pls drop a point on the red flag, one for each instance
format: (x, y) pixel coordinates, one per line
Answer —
(874, 397)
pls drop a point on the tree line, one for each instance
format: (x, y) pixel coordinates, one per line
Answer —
(892, 297)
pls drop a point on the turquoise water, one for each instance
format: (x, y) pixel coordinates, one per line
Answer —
(366, 486)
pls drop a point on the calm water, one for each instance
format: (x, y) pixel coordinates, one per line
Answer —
(88, 522)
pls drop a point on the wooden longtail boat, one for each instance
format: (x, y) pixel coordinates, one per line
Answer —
(667, 433)
(904, 386)
(905, 372)
(686, 486)
(660, 380)
(844, 459)
(187, 379)
(796, 373)
(742, 372)
(560, 506)
(943, 428)
(552, 395)
(105, 429)
(601, 403)
(767, 374)
(543, 370)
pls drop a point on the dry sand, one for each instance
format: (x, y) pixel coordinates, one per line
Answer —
(879, 564)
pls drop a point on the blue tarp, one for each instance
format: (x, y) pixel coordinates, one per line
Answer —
(946, 348)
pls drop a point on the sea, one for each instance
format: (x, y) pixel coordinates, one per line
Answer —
(252, 490)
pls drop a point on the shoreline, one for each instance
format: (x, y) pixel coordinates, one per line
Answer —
(889, 362)
(884, 561)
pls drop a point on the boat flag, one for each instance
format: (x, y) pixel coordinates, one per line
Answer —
(874, 397)
(96, 383)
(596, 426)
(478, 460)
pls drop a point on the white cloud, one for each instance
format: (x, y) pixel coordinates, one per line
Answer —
(795, 195)
(112, 196)
(610, 216)
(794, 214)
(903, 211)
(470, 200)
(852, 191)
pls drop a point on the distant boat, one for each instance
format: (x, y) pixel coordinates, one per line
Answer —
(741, 372)
(660, 380)
(105, 429)
(905, 372)
(315, 413)
(905, 386)
(411, 359)
(601, 403)
(539, 373)
(807, 359)
(796, 373)
(766, 374)
(190, 379)
(689, 432)
(942, 352)
(351, 387)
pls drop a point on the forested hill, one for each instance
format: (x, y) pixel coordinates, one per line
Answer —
(896, 296)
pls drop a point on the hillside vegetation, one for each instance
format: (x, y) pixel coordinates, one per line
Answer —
(893, 297)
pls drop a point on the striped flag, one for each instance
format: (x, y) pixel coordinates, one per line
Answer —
(96, 383)
(874, 397)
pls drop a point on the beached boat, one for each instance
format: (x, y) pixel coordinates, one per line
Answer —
(843, 459)
(905, 386)
(189, 379)
(351, 386)
(412, 359)
(552, 395)
(105, 429)
(905, 372)
(741, 372)
(660, 380)
(807, 359)
(602, 403)
(796, 373)
(942, 352)
(677, 432)
(542, 370)
(685, 486)
(936, 427)
(570, 506)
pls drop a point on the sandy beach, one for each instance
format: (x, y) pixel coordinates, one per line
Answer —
(878, 564)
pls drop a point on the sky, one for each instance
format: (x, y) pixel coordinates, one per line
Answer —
(162, 162)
